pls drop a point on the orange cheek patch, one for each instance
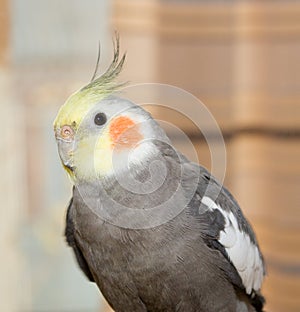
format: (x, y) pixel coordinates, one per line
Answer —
(124, 133)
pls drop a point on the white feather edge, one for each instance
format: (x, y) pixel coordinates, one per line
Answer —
(241, 251)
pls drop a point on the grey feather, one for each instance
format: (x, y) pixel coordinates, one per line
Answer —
(177, 266)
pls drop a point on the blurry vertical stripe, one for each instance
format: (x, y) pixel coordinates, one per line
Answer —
(14, 281)
(4, 31)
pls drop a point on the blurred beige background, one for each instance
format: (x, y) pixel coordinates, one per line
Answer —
(240, 58)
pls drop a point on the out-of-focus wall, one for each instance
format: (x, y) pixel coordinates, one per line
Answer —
(12, 168)
(242, 59)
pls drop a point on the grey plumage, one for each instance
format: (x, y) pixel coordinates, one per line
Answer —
(177, 266)
(153, 230)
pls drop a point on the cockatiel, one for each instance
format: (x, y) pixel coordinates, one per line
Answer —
(153, 230)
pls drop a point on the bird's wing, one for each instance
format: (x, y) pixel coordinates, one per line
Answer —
(227, 230)
(71, 240)
(223, 224)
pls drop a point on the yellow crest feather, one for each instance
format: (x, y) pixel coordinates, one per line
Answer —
(79, 103)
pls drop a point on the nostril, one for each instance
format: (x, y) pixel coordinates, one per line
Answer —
(67, 132)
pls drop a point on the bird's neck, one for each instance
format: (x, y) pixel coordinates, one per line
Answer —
(139, 185)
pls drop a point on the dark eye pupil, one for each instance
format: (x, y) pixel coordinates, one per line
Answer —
(100, 119)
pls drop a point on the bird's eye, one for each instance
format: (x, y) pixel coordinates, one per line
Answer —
(100, 119)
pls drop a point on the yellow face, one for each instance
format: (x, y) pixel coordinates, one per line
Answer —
(90, 133)
(75, 109)
(84, 126)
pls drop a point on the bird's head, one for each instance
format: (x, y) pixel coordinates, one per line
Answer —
(98, 133)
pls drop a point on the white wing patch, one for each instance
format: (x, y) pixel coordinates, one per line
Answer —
(241, 251)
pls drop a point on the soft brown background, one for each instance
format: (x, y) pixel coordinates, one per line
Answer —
(240, 58)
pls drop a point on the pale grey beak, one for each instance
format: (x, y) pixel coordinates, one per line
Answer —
(65, 139)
